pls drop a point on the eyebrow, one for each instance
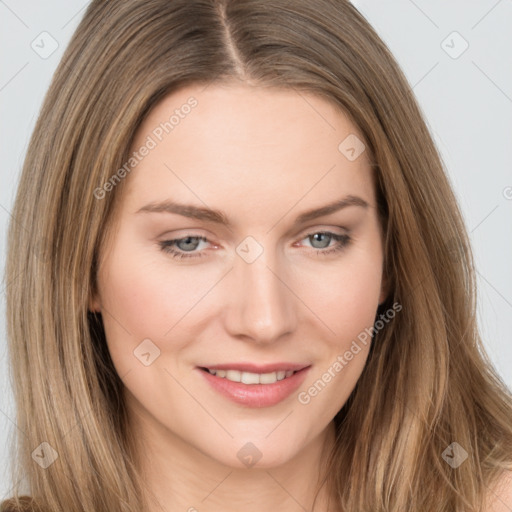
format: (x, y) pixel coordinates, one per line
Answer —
(219, 217)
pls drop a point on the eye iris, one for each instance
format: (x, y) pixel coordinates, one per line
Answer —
(188, 244)
(327, 236)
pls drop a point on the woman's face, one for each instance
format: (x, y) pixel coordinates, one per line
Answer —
(261, 285)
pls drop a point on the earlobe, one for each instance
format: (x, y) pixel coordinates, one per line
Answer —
(384, 290)
(94, 304)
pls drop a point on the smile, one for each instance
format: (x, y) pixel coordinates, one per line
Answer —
(254, 389)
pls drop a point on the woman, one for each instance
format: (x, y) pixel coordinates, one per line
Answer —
(250, 283)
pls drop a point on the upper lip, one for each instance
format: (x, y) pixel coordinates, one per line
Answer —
(255, 368)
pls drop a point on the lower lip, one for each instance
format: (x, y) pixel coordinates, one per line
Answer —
(256, 395)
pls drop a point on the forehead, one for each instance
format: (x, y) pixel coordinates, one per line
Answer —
(226, 141)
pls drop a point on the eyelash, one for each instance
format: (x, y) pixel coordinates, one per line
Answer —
(342, 241)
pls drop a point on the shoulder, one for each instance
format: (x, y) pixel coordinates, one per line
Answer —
(500, 497)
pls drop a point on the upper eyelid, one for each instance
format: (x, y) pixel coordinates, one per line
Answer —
(303, 233)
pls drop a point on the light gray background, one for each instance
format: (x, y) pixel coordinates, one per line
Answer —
(467, 102)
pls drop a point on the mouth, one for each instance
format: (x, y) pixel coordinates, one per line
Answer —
(269, 386)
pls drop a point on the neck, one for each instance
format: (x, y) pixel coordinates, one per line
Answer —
(179, 477)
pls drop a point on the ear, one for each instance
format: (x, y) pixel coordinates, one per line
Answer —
(94, 303)
(384, 289)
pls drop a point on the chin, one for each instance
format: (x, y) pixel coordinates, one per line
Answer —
(256, 454)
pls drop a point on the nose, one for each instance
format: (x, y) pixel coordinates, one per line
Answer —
(261, 306)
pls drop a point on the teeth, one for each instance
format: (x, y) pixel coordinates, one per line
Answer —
(252, 378)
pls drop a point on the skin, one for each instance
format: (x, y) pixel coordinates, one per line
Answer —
(263, 156)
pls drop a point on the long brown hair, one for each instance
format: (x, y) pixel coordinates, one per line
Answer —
(427, 383)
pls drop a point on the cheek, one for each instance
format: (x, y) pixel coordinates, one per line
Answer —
(143, 297)
(344, 295)
(347, 309)
(356, 300)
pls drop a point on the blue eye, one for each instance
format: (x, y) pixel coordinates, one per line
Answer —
(341, 241)
(185, 247)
